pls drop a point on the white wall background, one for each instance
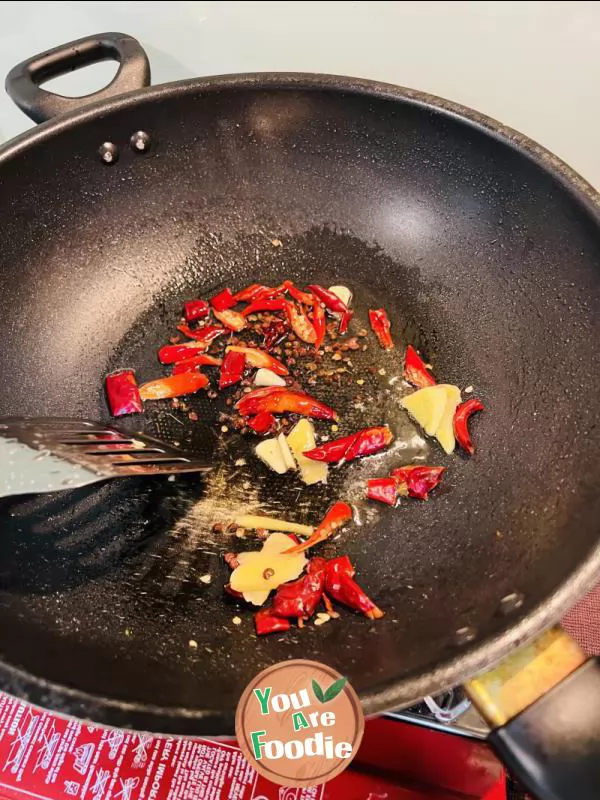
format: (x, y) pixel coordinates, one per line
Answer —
(533, 65)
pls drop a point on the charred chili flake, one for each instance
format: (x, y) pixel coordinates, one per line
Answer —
(343, 588)
(266, 622)
(223, 300)
(192, 364)
(262, 423)
(331, 300)
(299, 599)
(279, 400)
(196, 309)
(123, 393)
(363, 443)
(232, 369)
(231, 319)
(202, 336)
(274, 333)
(415, 371)
(461, 420)
(338, 515)
(381, 326)
(173, 386)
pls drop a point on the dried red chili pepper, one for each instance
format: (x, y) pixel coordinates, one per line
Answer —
(417, 481)
(223, 300)
(300, 323)
(381, 326)
(274, 333)
(231, 319)
(278, 400)
(301, 297)
(415, 371)
(266, 622)
(345, 320)
(262, 423)
(258, 358)
(339, 565)
(271, 304)
(202, 336)
(123, 393)
(461, 420)
(232, 369)
(191, 364)
(299, 599)
(257, 291)
(363, 443)
(173, 386)
(319, 322)
(196, 309)
(343, 588)
(385, 490)
(337, 516)
(173, 353)
(331, 300)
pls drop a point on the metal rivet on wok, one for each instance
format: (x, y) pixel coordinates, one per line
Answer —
(140, 142)
(109, 152)
(511, 602)
(464, 635)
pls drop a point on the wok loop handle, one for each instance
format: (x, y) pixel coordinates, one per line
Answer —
(23, 81)
(543, 705)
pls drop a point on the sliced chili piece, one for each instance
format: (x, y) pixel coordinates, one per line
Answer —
(258, 358)
(461, 420)
(331, 300)
(415, 371)
(319, 322)
(232, 369)
(223, 300)
(338, 515)
(301, 297)
(172, 353)
(385, 490)
(123, 393)
(271, 304)
(300, 598)
(191, 364)
(345, 320)
(196, 309)
(262, 423)
(363, 443)
(343, 588)
(173, 386)
(278, 400)
(300, 323)
(417, 481)
(266, 622)
(381, 327)
(250, 293)
(202, 336)
(231, 319)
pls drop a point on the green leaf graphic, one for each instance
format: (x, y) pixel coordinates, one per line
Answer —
(318, 692)
(335, 688)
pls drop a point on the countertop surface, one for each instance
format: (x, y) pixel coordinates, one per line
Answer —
(533, 65)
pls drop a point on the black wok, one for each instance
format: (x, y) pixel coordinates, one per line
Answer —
(483, 247)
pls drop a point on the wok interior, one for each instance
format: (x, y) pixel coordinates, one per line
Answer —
(480, 258)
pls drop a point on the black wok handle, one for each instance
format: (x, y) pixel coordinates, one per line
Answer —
(543, 705)
(23, 81)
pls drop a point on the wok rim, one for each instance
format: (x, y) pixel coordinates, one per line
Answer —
(470, 659)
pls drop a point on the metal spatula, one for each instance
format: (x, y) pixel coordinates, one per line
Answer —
(49, 454)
